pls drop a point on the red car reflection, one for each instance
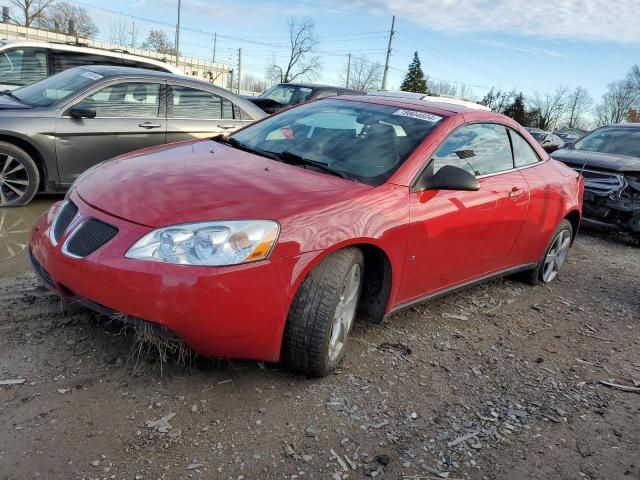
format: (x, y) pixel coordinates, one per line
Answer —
(269, 243)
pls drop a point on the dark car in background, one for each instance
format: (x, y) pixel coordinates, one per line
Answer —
(55, 129)
(549, 141)
(286, 95)
(570, 134)
(609, 159)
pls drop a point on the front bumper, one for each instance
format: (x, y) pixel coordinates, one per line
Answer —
(611, 201)
(233, 312)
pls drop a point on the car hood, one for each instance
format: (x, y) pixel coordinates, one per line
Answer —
(597, 160)
(206, 180)
(7, 103)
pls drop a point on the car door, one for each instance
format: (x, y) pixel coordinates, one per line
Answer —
(129, 116)
(458, 236)
(196, 113)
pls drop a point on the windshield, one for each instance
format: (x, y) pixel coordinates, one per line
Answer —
(288, 94)
(365, 142)
(616, 141)
(57, 88)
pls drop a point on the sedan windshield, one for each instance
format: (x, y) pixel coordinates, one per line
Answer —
(288, 94)
(616, 141)
(361, 141)
(56, 88)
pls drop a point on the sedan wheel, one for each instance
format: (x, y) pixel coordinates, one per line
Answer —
(345, 313)
(556, 256)
(322, 314)
(19, 176)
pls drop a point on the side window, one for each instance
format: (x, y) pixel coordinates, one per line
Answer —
(326, 93)
(63, 60)
(480, 149)
(523, 154)
(132, 100)
(193, 103)
(22, 66)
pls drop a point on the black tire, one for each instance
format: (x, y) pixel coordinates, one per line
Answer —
(535, 276)
(308, 330)
(14, 192)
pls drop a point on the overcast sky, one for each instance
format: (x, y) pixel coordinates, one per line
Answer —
(529, 45)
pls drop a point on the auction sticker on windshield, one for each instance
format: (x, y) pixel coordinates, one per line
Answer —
(427, 117)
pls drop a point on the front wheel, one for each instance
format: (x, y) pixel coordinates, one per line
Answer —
(322, 314)
(19, 176)
(549, 266)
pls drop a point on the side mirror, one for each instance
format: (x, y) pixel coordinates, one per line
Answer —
(447, 178)
(82, 110)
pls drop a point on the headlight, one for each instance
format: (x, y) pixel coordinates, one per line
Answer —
(208, 243)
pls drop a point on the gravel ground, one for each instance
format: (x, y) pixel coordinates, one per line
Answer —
(501, 381)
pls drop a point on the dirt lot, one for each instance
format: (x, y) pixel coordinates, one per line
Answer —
(499, 382)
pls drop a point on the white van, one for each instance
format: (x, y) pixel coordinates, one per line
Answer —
(26, 61)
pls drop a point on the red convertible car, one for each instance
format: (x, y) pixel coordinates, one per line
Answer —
(267, 244)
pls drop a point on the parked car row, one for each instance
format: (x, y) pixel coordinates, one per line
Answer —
(281, 219)
(549, 141)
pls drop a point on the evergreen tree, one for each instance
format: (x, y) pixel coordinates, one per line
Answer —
(517, 110)
(414, 81)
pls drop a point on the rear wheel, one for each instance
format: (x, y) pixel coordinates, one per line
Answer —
(322, 314)
(554, 257)
(19, 176)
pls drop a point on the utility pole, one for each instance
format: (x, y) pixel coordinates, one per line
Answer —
(215, 41)
(386, 63)
(348, 70)
(178, 35)
(133, 34)
(239, 69)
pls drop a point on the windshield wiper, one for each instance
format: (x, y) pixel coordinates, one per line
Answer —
(295, 159)
(246, 148)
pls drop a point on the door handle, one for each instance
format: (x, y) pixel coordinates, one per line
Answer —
(226, 127)
(149, 125)
(516, 192)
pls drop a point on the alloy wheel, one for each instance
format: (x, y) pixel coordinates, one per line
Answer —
(345, 312)
(556, 256)
(14, 179)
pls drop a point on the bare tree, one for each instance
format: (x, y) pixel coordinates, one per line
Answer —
(252, 83)
(302, 62)
(30, 11)
(619, 98)
(498, 100)
(550, 108)
(65, 17)
(123, 33)
(441, 87)
(466, 92)
(578, 105)
(364, 75)
(157, 41)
